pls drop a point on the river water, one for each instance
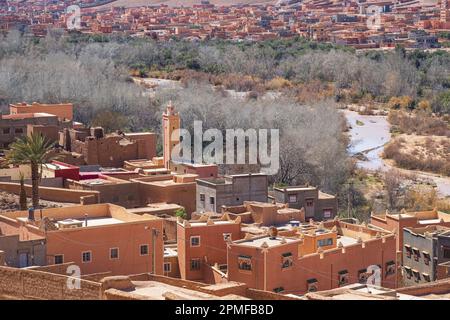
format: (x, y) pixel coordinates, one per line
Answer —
(370, 136)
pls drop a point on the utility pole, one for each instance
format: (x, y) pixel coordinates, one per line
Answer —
(154, 235)
(349, 205)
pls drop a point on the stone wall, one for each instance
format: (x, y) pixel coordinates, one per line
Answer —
(31, 284)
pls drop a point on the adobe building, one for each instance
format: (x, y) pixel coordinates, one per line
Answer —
(313, 257)
(98, 238)
(176, 189)
(265, 214)
(424, 250)
(317, 204)
(20, 125)
(232, 190)
(110, 150)
(202, 247)
(64, 111)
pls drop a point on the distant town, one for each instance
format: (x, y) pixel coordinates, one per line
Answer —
(359, 24)
(264, 150)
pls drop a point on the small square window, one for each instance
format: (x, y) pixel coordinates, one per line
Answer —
(390, 268)
(245, 263)
(408, 251)
(144, 249)
(286, 260)
(114, 253)
(312, 285)
(227, 236)
(202, 197)
(18, 130)
(327, 213)
(211, 200)
(292, 198)
(426, 258)
(195, 241)
(6, 130)
(86, 256)
(167, 267)
(195, 264)
(59, 259)
(343, 278)
(309, 202)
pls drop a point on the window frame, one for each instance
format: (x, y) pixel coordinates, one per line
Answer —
(90, 256)
(110, 253)
(140, 249)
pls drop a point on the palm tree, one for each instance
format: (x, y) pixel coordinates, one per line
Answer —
(34, 150)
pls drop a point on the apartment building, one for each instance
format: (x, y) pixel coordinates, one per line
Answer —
(317, 204)
(424, 251)
(231, 190)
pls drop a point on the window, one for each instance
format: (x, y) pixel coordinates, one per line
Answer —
(195, 264)
(86, 256)
(292, 198)
(327, 213)
(202, 197)
(446, 252)
(167, 267)
(245, 263)
(426, 277)
(286, 260)
(309, 202)
(408, 251)
(312, 285)
(114, 253)
(416, 275)
(59, 259)
(18, 130)
(343, 277)
(408, 272)
(362, 276)
(390, 268)
(211, 200)
(6, 130)
(325, 242)
(195, 241)
(416, 254)
(426, 257)
(144, 249)
(279, 289)
(227, 236)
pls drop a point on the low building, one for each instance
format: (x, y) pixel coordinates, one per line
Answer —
(232, 190)
(317, 204)
(97, 238)
(64, 111)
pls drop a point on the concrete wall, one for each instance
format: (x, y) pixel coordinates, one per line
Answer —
(422, 243)
(32, 251)
(242, 188)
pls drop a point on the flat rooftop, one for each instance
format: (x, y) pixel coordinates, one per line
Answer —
(28, 115)
(156, 290)
(270, 241)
